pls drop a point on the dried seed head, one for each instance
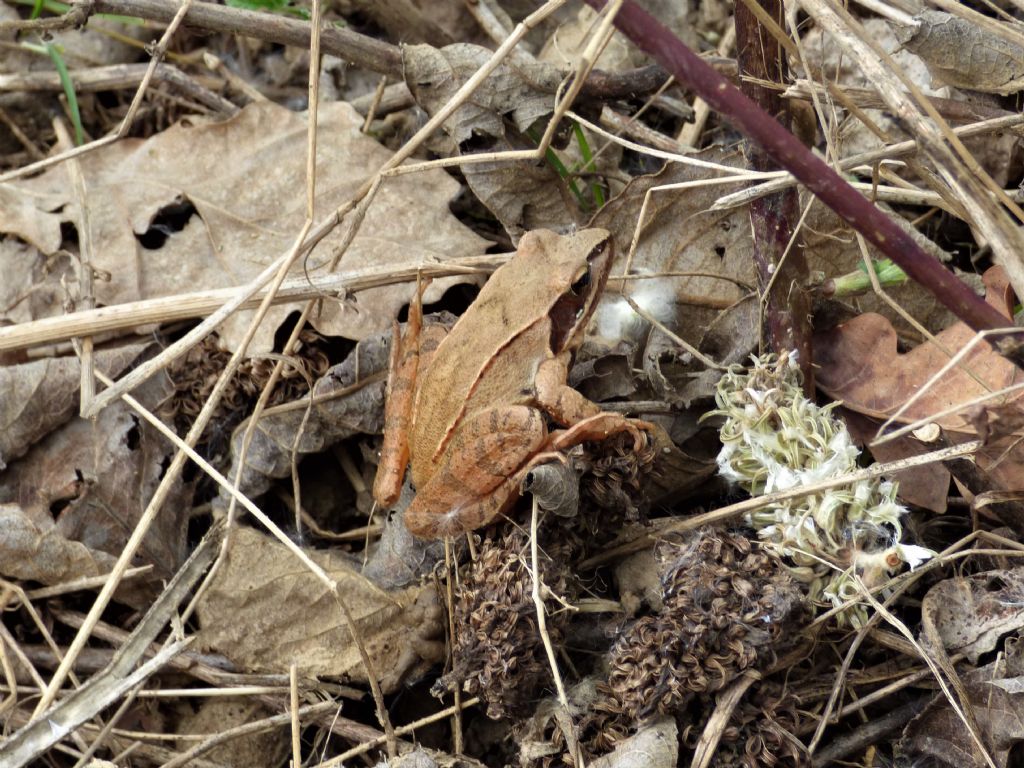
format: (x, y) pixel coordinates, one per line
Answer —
(775, 439)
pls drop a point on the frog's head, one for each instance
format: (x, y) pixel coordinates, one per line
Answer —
(579, 265)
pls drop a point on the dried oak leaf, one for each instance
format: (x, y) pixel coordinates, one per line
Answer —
(161, 228)
(522, 195)
(521, 92)
(995, 696)
(40, 395)
(972, 613)
(860, 365)
(33, 550)
(347, 400)
(265, 610)
(962, 54)
(91, 480)
(926, 486)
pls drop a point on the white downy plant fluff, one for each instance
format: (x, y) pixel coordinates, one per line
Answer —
(775, 439)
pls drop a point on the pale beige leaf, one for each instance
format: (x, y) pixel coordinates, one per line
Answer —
(36, 551)
(962, 54)
(654, 746)
(161, 226)
(522, 195)
(522, 93)
(27, 215)
(92, 480)
(265, 610)
(39, 395)
(972, 613)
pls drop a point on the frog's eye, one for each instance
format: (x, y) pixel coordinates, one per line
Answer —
(581, 283)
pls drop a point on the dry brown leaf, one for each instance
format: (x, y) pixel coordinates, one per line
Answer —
(926, 487)
(92, 480)
(522, 93)
(267, 747)
(962, 54)
(938, 736)
(832, 249)
(265, 610)
(42, 394)
(330, 420)
(860, 365)
(28, 291)
(33, 550)
(522, 195)
(162, 227)
(972, 613)
(679, 235)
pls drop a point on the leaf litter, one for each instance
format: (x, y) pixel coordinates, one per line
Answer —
(652, 638)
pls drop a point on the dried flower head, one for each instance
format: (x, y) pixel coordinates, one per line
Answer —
(775, 439)
(760, 731)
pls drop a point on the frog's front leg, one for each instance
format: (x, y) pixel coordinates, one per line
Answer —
(585, 419)
(479, 478)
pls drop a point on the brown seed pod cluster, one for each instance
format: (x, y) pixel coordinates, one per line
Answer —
(760, 731)
(612, 479)
(727, 605)
(497, 649)
(195, 374)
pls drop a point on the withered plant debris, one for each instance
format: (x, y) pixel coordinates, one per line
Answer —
(761, 731)
(195, 374)
(682, 631)
(960, 53)
(497, 650)
(613, 480)
(727, 606)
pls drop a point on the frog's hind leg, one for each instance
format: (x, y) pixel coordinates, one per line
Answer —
(479, 477)
(410, 356)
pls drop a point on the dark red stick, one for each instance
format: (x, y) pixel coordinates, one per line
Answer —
(786, 150)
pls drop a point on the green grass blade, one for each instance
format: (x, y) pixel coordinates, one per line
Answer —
(69, 91)
(588, 162)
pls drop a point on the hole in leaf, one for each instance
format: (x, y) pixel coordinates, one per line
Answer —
(168, 220)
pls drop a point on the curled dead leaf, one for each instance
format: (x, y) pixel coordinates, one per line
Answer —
(971, 614)
(962, 54)
(265, 611)
(160, 228)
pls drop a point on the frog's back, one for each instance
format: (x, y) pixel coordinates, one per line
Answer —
(489, 358)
